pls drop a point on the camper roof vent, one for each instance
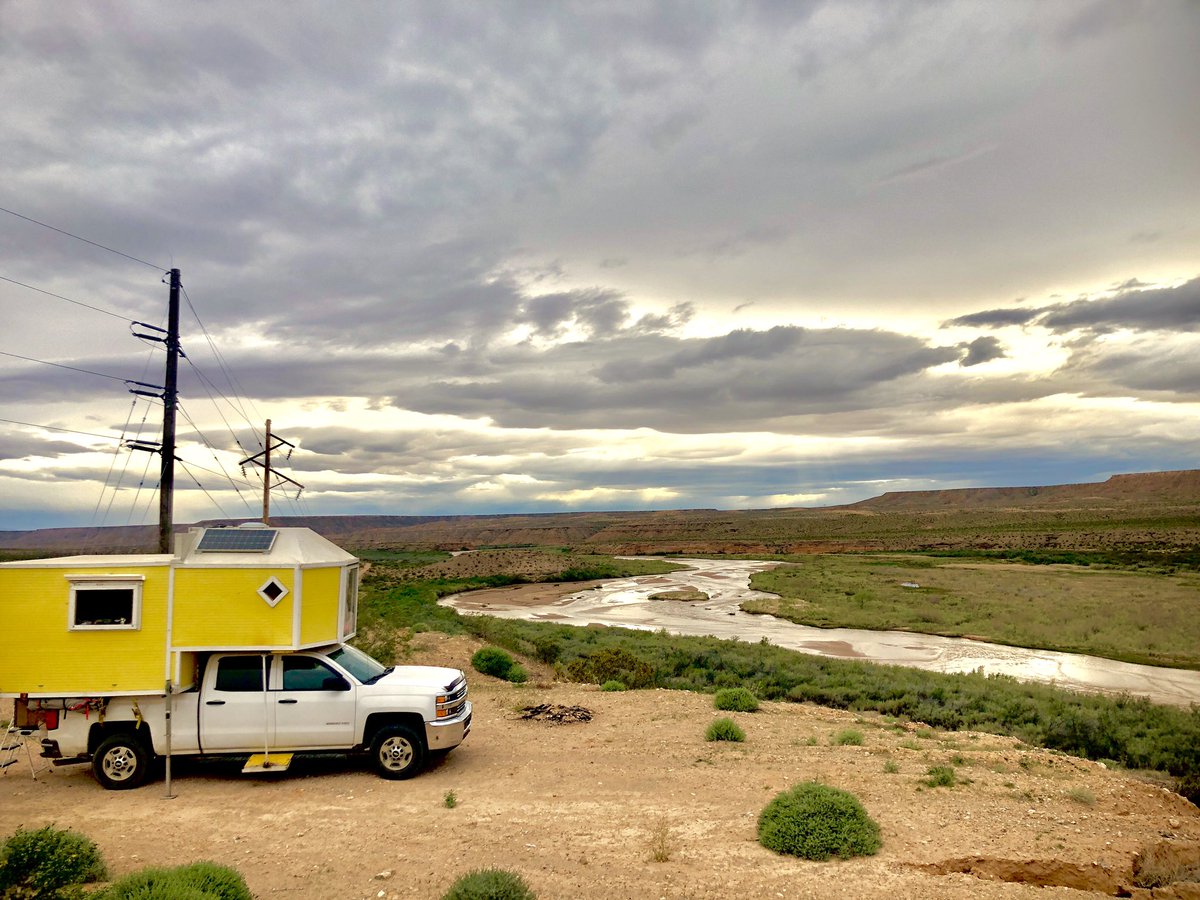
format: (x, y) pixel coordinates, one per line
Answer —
(236, 540)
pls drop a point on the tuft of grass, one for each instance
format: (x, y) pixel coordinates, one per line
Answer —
(1158, 867)
(450, 800)
(661, 842)
(1082, 796)
(735, 699)
(940, 776)
(848, 737)
(815, 821)
(490, 884)
(613, 685)
(891, 767)
(724, 730)
(46, 862)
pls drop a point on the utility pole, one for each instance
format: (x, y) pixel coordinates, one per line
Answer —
(166, 481)
(263, 459)
(169, 395)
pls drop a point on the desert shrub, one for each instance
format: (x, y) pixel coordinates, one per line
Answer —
(1082, 796)
(736, 699)
(198, 881)
(490, 884)
(941, 776)
(48, 863)
(611, 664)
(848, 737)
(891, 767)
(492, 661)
(1188, 787)
(613, 685)
(815, 821)
(517, 674)
(724, 730)
(546, 649)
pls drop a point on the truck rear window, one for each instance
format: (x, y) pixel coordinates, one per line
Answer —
(240, 673)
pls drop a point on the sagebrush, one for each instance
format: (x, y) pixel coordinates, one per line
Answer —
(816, 821)
(724, 730)
(735, 699)
(490, 884)
(197, 881)
(48, 863)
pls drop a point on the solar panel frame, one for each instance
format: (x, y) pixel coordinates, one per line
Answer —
(237, 540)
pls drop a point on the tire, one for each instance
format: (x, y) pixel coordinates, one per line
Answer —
(397, 751)
(121, 762)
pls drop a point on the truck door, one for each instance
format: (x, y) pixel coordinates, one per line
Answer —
(314, 707)
(236, 712)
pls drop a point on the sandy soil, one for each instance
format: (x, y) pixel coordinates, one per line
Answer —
(575, 807)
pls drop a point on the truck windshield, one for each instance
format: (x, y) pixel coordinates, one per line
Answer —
(357, 663)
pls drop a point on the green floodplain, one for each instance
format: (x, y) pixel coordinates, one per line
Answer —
(956, 595)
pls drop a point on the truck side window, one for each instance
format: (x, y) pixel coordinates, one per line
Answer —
(103, 604)
(240, 673)
(305, 673)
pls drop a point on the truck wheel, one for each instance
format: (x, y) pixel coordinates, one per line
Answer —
(121, 762)
(397, 752)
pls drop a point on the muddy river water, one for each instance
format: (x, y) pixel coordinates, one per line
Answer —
(626, 602)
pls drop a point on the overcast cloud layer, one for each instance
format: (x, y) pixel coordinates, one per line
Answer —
(515, 256)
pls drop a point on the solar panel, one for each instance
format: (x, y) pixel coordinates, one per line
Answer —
(237, 540)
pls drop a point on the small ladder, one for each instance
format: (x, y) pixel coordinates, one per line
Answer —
(15, 738)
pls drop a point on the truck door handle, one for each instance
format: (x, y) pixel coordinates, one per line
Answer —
(290, 700)
(214, 702)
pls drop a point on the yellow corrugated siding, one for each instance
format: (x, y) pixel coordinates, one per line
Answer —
(38, 653)
(222, 608)
(319, 613)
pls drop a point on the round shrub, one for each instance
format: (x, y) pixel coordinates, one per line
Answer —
(42, 862)
(736, 699)
(492, 661)
(815, 821)
(198, 881)
(517, 674)
(724, 730)
(613, 685)
(490, 884)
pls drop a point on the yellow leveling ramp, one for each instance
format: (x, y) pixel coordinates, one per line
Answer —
(268, 762)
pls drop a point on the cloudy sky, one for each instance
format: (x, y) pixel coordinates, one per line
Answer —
(505, 257)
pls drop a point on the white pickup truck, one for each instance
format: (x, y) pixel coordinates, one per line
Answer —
(333, 698)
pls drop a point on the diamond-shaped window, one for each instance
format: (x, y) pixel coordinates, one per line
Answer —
(273, 591)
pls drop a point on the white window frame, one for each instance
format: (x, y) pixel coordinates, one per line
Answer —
(134, 583)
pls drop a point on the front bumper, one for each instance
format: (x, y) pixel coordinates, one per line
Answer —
(444, 734)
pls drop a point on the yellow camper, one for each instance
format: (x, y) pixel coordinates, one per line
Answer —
(79, 626)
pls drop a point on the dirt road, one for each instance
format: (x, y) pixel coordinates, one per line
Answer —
(575, 807)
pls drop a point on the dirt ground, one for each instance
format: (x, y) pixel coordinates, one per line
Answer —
(579, 808)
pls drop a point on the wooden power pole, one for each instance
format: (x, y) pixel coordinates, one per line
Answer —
(263, 459)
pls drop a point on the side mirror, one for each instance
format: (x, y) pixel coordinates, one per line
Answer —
(335, 683)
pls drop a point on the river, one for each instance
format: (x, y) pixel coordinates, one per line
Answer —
(626, 602)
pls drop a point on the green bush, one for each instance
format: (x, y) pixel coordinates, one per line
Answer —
(546, 649)
(736, 699)
(48, 863)
(848, 737)
(611, 664)
(941, 776)
(198, 881)
(814, 821)
(1189, 787)
(517, 674)
(724, 730)
(492, 661)
(613, 685)
(490, 884)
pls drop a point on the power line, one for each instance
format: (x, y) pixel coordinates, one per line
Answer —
(85, 240)
(106, 312)
(108, 437)
(61, 366)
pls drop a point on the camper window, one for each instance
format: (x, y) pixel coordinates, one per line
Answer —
(105, 604)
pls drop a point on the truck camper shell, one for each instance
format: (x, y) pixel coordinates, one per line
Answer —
(81, 626)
